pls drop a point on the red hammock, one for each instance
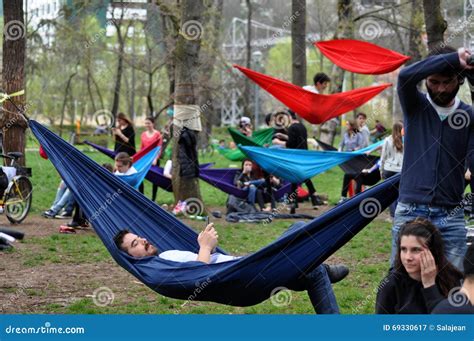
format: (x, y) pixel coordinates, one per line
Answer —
(156, 143)
(313, 107)
(361, 57)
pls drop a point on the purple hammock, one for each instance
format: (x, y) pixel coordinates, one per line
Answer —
(221, 178)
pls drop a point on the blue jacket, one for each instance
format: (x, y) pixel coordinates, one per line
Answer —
(435, 151)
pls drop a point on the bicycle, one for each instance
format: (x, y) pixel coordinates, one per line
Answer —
(16, 199)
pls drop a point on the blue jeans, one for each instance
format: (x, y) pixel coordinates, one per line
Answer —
(59, 193)
(318, 285)
(252, 190)
(66, 200)
(450, 222)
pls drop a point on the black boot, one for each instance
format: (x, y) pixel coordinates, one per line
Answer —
(336, 273)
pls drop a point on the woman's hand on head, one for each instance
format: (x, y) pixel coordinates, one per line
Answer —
(428, 268)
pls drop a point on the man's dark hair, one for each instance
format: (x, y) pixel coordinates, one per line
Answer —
(362, 114)
(118, 239)
(292, 114)
(448, 72)
(469, 263)
(442, 50)
(268, 118)
(321, 77)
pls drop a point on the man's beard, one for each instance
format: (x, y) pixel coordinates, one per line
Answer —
(148, 246)
(443, 99)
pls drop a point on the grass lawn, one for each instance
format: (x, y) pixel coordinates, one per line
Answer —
(83, 257)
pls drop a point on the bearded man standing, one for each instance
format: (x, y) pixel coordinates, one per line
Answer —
(439, 138)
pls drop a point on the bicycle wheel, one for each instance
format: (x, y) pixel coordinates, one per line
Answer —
(18, 197)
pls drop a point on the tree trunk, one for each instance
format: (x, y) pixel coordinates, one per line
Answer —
(345, 29)
(170, 37)
(89, 91)
(435, 23)
(208, 57)
(121, 37)
(12, 122)
(63, 109)
(298, 42)
(187, 68)
(248, 60)
(414, 38)
(118, 78)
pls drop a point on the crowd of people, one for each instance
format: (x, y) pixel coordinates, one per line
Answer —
(429, 260)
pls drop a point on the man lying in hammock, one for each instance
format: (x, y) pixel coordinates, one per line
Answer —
(317, 282)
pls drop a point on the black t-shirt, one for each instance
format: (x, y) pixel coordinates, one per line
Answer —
(400, 294)
(127, 147)
(297, 136)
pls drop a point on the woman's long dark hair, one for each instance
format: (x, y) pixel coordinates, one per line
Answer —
(397, 136)
(448, 276)
(353, 125)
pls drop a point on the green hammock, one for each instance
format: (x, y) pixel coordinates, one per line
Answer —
(259, 139)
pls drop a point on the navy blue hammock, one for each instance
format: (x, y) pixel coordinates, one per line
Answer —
(111, 205)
